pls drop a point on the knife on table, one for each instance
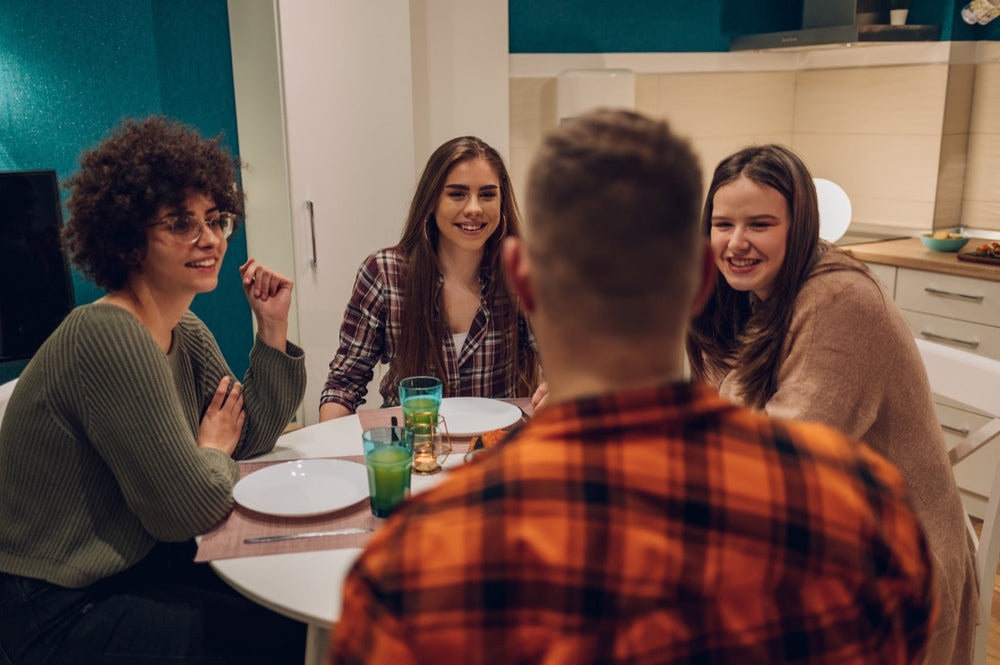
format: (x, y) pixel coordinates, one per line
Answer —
(308, 534)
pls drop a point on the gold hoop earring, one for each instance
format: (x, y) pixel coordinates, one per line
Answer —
(427, 223)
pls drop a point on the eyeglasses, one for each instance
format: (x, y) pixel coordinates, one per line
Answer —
(188, 229)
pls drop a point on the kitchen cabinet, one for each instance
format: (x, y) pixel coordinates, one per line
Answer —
(963, 312)
(951, 296)
(885, 274)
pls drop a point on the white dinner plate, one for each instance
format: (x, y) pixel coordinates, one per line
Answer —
(303, 487)
(469, 416)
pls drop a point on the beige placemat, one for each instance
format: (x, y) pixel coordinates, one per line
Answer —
(370, 418)
(226, 540)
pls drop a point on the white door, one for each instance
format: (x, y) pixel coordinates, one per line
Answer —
(349, 118)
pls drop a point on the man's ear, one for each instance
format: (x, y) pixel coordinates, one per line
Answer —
(706, 281)
(517, 268)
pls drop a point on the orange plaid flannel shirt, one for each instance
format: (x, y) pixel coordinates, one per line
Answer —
(659, 526)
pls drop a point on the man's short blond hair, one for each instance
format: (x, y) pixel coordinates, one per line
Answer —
(613, 207)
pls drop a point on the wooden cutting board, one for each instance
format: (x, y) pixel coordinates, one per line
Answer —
(977, 258)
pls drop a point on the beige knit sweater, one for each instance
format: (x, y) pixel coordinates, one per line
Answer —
(98, 447)
(850, 361)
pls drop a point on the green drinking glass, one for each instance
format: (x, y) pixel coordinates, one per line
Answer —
(388, 458)
(420, 397)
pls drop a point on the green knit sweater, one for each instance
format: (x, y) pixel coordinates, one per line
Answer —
(98, 447)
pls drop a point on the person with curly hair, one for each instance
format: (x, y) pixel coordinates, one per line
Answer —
(436, 303)
(119, 442)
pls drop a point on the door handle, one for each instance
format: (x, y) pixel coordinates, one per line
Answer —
(949, 340)
(949, 294)
(312, 233)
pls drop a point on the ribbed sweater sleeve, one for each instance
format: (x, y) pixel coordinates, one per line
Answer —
(98, 448)
(272, 386)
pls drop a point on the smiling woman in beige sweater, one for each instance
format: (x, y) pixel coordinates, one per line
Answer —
(801, 330)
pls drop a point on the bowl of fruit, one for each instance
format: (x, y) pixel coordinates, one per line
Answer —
(943, 241)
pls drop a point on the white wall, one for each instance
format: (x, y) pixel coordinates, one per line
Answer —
(460, 73)
(260, 123)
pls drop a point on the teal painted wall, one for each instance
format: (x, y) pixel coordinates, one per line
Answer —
(70, 70)
(953, 28)
(625, 26)
(669, 26)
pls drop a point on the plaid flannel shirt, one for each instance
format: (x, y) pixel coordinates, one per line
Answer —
(661, 526)
(371, 331)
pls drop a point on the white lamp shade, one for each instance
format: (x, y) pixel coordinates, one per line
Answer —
(582, 90)
(834, 209)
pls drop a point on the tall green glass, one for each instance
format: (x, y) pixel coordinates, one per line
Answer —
(388, 458)
(420, 397)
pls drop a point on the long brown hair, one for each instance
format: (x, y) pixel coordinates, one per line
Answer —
(422, 316)
(735, 329)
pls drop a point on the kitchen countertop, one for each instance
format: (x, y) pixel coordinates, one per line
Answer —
(911, 253)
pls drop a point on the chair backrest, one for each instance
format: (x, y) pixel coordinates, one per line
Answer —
(6, 390)
(975, 381)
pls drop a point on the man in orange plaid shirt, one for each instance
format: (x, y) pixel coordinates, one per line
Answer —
(639, 518)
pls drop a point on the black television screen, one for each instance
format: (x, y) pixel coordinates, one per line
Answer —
(36, 291)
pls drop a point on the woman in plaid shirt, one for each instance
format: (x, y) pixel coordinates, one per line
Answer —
(436, 303)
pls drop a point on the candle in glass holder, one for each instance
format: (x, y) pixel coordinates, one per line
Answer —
(424, 461)
(431, 445)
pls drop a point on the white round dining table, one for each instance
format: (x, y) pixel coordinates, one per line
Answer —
(307, 586)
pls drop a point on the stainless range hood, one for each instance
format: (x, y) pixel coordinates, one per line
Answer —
(834, 22)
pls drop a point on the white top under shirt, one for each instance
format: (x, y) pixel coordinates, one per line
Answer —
(458, 339)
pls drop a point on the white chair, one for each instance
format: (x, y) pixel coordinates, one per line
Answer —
(973, 380)
(6, 390)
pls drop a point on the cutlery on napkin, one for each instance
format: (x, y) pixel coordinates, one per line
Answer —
(308, 534)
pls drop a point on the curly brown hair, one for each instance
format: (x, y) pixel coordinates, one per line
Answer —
(141, 166)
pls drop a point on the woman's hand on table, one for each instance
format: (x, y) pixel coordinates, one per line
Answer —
(270, 296)
(222, 423)
(540, 398)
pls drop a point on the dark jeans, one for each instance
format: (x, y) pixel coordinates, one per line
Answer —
(165, 609)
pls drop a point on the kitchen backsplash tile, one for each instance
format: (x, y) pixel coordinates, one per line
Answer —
(713, 149)
(532, 110)
(877, 168)
(952, 167)
(884, 133)
(871, 100)
(986, 101)
(981, 214)
(728, 104)
(981, 198)
(958, 99)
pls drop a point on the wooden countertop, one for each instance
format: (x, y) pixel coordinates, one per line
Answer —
(911, 253)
